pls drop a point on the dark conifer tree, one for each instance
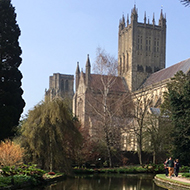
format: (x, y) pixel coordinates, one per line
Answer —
(11, 102)
(180, 105)
(177, 106)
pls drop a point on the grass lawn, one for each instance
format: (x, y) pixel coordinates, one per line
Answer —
(163, 177)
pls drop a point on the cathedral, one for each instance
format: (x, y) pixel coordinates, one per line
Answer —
(141, 72)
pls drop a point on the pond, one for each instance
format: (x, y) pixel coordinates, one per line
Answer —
(106, 182)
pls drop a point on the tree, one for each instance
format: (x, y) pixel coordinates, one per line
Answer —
(142, 103)
(48, 133)
(11, 102)
(176, 84)
(10, 153)
(185, 2)
(157, 133)
(177, 102)
(108, 102)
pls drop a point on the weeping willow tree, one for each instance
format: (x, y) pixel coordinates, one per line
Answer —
(50, 135)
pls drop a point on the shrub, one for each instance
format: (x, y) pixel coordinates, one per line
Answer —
(19, 175)
(18, 180)
(186, 175)
(4, 181)
(29, 170)
(11, 153)
(184, 169)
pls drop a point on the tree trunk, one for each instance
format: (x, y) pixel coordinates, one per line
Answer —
(140, 151)
(109, 156)
(140, 156)
(154, 157)
(108, 148)
(51, 153)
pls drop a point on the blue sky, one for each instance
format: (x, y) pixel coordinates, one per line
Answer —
(56, 34)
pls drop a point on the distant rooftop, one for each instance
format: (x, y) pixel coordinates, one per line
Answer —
(117, 84)
(168, 72)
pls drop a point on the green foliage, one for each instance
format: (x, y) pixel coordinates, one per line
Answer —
(48, 133)
(176, 85)
(30, 170)
(11, 102)
(132, 170)
(4, 181)
(177, 105)
(186, 175)
(157, 132)
(18, 180)
(185, 169)
(128, 170)
(20, 175)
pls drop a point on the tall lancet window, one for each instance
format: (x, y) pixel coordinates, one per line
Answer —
(120, 69)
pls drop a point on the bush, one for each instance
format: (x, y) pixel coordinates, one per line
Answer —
(12, 175)
(130, 169)
(17, 180)
(11, 153)
(29, 170)
(184, 169)
(186, 175)
(4, 181)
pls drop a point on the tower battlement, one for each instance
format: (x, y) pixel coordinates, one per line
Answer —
(141, 48)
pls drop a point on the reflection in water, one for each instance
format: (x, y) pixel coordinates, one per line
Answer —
(107, 182)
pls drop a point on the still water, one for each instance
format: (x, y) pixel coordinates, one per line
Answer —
(106, 182)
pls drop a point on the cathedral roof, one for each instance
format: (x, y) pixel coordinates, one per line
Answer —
(168, 72)
(117, 84)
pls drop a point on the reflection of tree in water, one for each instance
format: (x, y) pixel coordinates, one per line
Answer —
(107, 182)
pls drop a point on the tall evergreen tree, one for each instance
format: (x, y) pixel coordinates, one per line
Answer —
(180, 105)
(11, 102)
(177, 105)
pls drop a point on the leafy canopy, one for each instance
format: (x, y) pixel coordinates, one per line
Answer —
(50, 134)
(177, 105)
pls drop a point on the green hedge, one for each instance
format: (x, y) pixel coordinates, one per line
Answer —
(187, 175)
(129, 169)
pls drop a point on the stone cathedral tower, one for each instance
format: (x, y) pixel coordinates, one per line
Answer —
(141, 48)
(61, 86)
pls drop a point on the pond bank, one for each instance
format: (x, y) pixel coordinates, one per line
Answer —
(45, 182)
(175, 183)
